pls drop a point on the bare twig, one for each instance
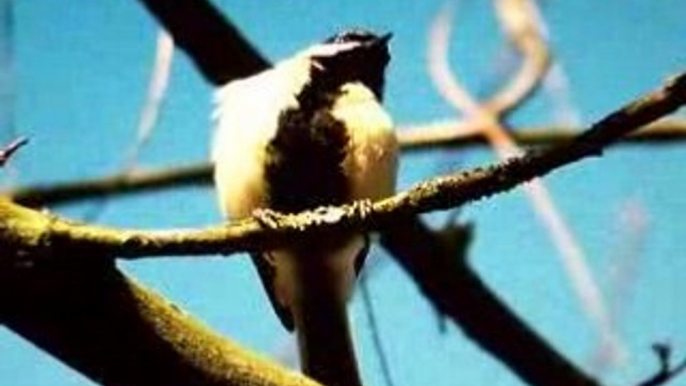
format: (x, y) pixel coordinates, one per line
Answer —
(149, 114)
(666, 372)
(375, 330)
(626, 252)
(157, 87)
(453, 133)
(134, 182)
(524, 27)
(9, 150)
(439, 69)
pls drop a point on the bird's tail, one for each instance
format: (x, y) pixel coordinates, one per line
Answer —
(319, 311)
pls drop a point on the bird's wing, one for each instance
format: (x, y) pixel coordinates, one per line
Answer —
(267, 273)
(246, 115)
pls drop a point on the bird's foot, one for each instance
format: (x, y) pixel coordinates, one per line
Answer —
(362, 208)
(268, 218)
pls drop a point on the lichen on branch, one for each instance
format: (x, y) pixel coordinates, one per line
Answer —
(35, 233)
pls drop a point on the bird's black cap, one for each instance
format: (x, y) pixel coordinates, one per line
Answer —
(364, 60)
(359, 35)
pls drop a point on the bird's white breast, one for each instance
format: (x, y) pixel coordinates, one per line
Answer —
(247, 116)
(371, 161)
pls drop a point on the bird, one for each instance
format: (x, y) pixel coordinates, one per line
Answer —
(311, 131)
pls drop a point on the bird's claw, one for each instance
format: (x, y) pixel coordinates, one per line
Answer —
(363, 208)
(268, 218)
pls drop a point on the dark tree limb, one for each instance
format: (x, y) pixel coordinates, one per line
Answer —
(215, 45)
(455, 290)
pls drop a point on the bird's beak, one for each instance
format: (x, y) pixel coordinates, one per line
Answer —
(379, 43)
(382, 40)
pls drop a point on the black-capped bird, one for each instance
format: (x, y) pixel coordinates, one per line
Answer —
(310, 131)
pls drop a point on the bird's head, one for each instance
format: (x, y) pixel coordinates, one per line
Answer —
(353, 55)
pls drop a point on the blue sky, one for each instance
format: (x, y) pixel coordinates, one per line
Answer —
(81, 70)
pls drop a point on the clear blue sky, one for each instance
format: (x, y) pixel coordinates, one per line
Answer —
(81, 70)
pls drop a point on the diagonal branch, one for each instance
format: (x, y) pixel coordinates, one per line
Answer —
(50, 317)
(667, 371)
(217, 47)
(8, 151)
(40, 234)
(457, 291)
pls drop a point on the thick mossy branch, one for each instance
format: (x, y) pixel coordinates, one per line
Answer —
(118, 333)
(38, 234)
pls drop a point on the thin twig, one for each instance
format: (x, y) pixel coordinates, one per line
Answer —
(374, 330)
(139, 181)
(147, 120)
(632, 228)
(9, 150)
(458, 134)
(666, 372)
(157, 88)
(524, 27)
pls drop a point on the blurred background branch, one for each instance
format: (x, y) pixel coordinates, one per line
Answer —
(440, 135)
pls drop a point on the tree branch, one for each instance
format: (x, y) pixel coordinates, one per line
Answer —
(8, 151)
(26, 234)
(445, 278)
(22, 229)
(666, 372)
(217, 47)
(439, 135)
(128, 183)
(454, 133)
(118, 333)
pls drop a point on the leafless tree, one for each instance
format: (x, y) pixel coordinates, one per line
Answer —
(60, 289)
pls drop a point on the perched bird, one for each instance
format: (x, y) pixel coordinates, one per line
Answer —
(310, 131)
